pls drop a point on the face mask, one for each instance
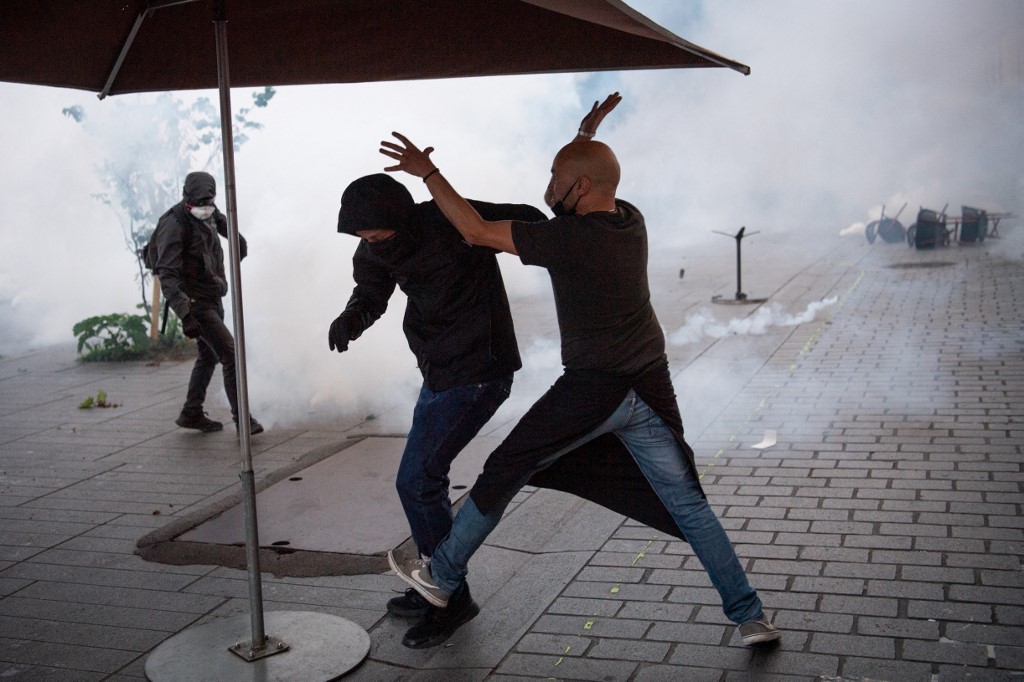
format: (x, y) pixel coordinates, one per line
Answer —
(391, 248)
(559, 208)
(202, 212)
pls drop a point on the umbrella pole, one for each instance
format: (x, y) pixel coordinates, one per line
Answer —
(740, 296)
(321, 646)
(258, 646)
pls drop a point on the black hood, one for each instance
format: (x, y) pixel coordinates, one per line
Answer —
(198, 186)
(374, 202)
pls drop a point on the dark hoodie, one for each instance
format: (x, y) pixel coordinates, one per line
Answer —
(457, 318)
(190, 258)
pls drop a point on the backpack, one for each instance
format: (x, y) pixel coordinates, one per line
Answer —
(149, 255)
(148, 252)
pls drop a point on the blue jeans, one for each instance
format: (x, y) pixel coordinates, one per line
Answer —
(443, 423)
(661, 459)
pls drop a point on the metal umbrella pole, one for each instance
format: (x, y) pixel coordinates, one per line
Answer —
(259, 645)
(315, 646)
(740, 296)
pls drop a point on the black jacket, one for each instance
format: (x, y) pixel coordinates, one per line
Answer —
(457, 318)
(190, 259)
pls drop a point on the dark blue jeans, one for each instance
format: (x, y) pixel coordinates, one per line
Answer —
(215, 345)
(443, 423)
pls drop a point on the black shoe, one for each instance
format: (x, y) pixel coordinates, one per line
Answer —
(198, 421)
(440, 624)
(409, 605)
(254, 426)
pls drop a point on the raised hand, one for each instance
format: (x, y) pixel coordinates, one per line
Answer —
(590, 122)
(410, 158)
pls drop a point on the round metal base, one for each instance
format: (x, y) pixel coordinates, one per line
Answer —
(320, 647)
(737, 301)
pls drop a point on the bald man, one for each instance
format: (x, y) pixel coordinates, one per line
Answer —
(616, 381)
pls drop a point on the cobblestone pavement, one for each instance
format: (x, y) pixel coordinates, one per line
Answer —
(883, 528)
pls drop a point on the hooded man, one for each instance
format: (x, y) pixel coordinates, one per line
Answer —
(190, 265)
(458, 326)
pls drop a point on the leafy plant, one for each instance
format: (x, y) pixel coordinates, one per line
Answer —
(118, 336)
(122, 337)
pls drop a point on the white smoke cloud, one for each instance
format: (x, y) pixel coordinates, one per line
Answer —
(850, 105)
(856, 229)
(703, 322)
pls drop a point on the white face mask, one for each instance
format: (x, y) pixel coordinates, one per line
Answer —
(202, 212)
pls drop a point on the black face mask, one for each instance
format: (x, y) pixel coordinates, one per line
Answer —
(559, 208)
(392, 248)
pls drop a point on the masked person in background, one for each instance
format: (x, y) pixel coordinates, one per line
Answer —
(615, 385)
(190, 265)
(459, 327)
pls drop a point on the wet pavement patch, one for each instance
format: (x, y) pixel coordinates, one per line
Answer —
(333, 512)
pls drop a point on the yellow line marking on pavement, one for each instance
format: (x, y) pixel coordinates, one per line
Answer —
(710, 464)
(561, 658)
(642, 553)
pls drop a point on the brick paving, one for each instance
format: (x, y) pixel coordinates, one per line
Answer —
(883, 529)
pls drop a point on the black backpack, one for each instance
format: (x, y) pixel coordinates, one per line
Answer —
(148, 252)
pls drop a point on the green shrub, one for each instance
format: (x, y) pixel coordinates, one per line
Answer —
(120, 337)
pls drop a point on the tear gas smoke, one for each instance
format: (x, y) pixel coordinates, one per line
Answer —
(703, 323)
(849, 105)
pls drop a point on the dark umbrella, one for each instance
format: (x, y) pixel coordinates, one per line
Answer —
(76, 43)
(123, 46)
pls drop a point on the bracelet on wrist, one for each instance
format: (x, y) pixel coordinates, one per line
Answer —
(436, 170)
(585, 134)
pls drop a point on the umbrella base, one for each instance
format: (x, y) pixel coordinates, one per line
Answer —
(741, 299)
(316, 646)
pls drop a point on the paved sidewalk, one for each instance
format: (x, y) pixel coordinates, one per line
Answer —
(884, 528)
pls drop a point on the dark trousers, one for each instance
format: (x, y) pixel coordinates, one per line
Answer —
(216, 344)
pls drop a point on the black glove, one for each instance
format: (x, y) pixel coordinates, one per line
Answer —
(341, 333)
(190, 325)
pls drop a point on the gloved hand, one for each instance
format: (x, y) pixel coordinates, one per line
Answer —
(341, 333)
(190, 326)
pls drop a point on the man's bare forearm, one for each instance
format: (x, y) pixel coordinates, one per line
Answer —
(474, 229)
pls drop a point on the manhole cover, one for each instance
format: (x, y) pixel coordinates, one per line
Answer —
(932, 264)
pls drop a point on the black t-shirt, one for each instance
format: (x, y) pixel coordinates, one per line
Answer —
(598, 268)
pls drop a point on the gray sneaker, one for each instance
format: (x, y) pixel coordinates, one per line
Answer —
(759, 631)
(416, 572)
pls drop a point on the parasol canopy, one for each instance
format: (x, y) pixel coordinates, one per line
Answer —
(77, 43)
